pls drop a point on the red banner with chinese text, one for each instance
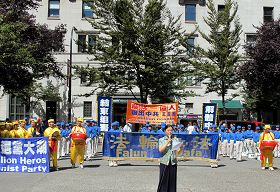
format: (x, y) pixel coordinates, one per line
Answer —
(153, 113)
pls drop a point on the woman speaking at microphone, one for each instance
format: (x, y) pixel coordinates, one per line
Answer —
(168, 162)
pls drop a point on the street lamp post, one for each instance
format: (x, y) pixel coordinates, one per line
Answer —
(70, 78)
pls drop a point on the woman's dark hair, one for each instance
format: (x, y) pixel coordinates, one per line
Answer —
(166, 126)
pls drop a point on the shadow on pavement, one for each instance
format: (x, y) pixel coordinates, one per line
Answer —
(96, 159)
(242, 160)
(91, 166)
(222, 165)
(129, 164)
(60, 169)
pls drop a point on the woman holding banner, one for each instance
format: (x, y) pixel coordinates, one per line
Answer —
(168, 162)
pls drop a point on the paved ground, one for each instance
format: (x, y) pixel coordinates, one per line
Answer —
(142, 176)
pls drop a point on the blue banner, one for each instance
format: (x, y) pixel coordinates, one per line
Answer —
(24, 155)
(144, 146)
(104, 112)
(209, 114)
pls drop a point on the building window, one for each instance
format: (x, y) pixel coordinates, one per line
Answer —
(221, 8)
(190, 12)
(251, 39)
(86, 43)
(267, 14)
(54, 8)
(18, 110)
(190, 45)
(91, 42)
(84, 79)
(189, 105)
(87, 11)
(190, 41)
(193, 81)
(87, 109)
(189, 81)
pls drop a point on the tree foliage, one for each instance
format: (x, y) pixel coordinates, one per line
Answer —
(140, 47)
(218, 63)
(26, 47)
(262, 71)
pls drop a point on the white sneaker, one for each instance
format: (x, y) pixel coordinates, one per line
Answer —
(263, 168)
(81, 166)
(111, 164)
(115, 164)
(271, 168)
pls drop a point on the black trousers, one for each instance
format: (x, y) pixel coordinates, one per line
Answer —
(168, 178)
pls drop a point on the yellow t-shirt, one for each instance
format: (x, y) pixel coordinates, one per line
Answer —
(266, 137)
(30, 131)
(13, 134)
(50, 130)
(21, 133)
(77, 129)
(7, 134)
(3, 134)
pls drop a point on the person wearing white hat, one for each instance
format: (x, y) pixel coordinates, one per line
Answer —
(127, 127)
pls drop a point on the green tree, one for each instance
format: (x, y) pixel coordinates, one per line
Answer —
(26, 47)
(39, 92)
(261, 72)
(137, 48)
(218, 63)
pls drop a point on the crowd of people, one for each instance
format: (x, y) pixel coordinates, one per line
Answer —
(59, 135)
(235, 141)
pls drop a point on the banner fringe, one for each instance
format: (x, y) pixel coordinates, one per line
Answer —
(157, 159)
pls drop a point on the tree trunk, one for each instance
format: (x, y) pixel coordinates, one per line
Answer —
(275, 115)
(259, 115)
(223, 98)
(141, 94)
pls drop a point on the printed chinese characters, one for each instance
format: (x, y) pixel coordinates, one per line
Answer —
(104, 113)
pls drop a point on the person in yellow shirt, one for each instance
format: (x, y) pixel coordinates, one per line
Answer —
(2, 129)
(21, 131)
(78, 146)
(266, 153)
(9, 128)
(15, 125)
(12, 131)
(31, 129)
(53, 133)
